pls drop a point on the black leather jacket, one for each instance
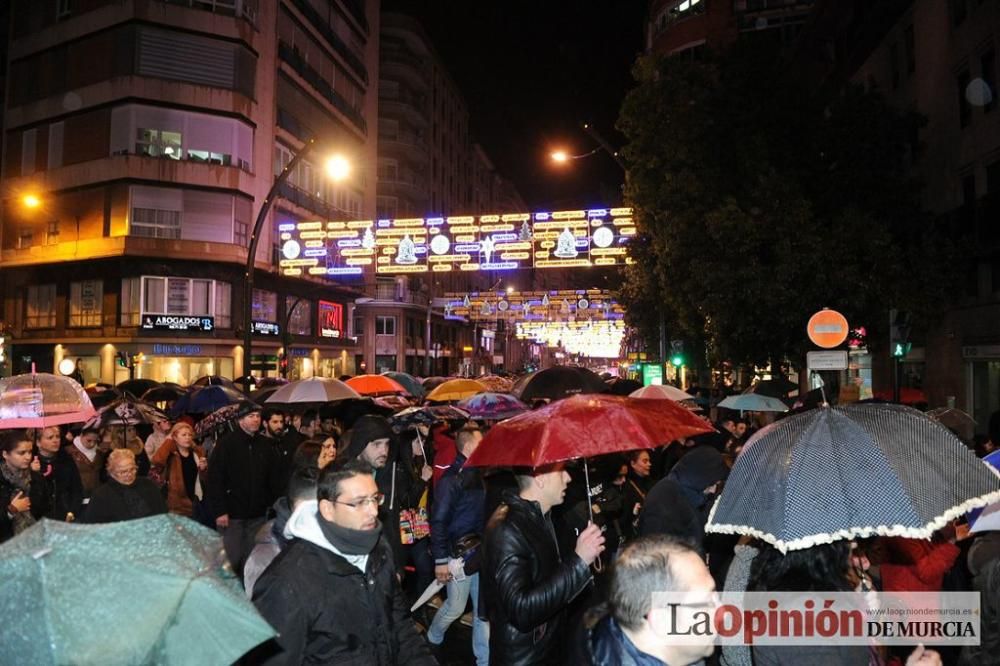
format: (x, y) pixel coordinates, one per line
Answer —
(527, 585)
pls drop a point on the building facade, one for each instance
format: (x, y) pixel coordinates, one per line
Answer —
(140, 139)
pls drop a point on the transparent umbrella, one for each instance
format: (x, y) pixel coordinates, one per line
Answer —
(39, 400)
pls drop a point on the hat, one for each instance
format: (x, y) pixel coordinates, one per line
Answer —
(367, 429)
(246, 407)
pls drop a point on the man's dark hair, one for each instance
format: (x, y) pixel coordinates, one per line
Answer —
(86, 430)
(330, 478)
(643, 567)
(302, 485)
(309, 418)
(9, 439)
(269, 412)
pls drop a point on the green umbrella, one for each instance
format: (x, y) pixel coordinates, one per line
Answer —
(409, 382)
(157, 590)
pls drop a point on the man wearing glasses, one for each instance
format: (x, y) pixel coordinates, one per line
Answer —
(332, 593)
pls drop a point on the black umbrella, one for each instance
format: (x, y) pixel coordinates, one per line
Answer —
(863, 470)
(137, 387)
(213, 380)
(777, 387)
(350, 410)
(165, 393)
(205, 400)
(622, 386)
(557, 383)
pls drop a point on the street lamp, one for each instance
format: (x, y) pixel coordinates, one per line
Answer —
(563, 157)
(337, 168)
(31, 201)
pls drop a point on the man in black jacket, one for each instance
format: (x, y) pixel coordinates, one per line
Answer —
(332, 593)
(243, 482)
(527, 583)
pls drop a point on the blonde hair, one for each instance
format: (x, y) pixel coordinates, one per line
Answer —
(180, 425)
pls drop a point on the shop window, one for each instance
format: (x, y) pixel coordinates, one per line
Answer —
(86, 303)
(155, 223)
(385, 363)
(385, 325)
(299, 318)
(158, 143)
(265, 306)
(223, 305)
(41, 306)
(184, 296)
(131, 300)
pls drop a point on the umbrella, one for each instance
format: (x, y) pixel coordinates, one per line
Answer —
(375, 385)
(456, 389)
(987, 519)
(661, 392)
(776, 387)
(165, 393)
(39, 400)
(393, 402)
(260, 396)
(214, 380)
(557, 383)
(102, 395)
(431, 383)
(493, 406)
(350, 410)
(167, 576)
(581, 426)
(205, 400)
(269, 382)
(753, 402)
(622, 386)
(311, 392)
(408, 382)
(125, 411)
(851, 472)
(959, 422)
(218, 420)
(426, 415)
(496, 383)
(137, 386)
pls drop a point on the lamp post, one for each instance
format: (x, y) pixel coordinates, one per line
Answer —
(562, 157)
(338, 169)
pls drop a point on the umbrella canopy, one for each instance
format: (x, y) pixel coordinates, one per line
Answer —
(220, 419)
(214, 380)
(987, 519)
(375, 385)
(137, 387)
(394, 402)
(753, 402)
(408, 382)
(581, 426)
(165, 393)
(959, 422)
(312, 392)
(493, 406)
(622, 386)
(102, 395)
(39, 400)
(350, 410)
(426, 415)
(205, 400)
(431, 383)
(776, 387)
(557, 383)
(126, 411)
(661, 392)
(456, 389)
(851, 472)
(268, 382)
(167, 570)
(260, 396)
(496, 383)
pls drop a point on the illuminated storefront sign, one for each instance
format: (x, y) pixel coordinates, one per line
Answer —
(160, 322)
(331, 319)
(264, 328)
(560, 239)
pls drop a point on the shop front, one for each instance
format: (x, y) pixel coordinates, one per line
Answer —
(982, 383)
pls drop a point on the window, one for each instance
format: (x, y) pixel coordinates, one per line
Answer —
(41, 306)
(63, 9)
(183, 296)
(52, 233)
(210, 157)
(988, 71)
(223, 305)
(388, 170)
(131, 301)
(241, 233)
(28, 142)
(299, 318)
(265, 306)
(155, 223)
(158, 143)
(909, 49)
(359, 327)
(86, 303)
(25, 239)
(385, 325)
(964, 107)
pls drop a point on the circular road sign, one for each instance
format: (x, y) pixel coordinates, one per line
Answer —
(827, 328)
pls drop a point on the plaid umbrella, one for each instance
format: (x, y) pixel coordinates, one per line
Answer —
(493, 406)
(851, 472)
(495, 383)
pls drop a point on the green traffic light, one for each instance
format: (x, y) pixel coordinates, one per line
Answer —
(677, 361)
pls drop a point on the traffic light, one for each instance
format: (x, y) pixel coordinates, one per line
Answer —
(677, 353)
(283, 365)
(899, 333)
(123, 359)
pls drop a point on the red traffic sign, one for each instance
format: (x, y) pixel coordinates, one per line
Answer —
(827, 328)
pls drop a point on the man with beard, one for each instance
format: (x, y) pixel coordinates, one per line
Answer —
(332, 593)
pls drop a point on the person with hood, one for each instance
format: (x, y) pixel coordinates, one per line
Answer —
(678, 505)
(627, 630)
(332, 594)
(61, 475)
(243, 477)
(373, 441)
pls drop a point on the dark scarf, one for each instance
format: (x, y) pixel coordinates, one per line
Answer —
(20, 479)
(133, 502)
(348, 541)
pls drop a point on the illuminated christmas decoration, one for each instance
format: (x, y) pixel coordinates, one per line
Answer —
(592, 339)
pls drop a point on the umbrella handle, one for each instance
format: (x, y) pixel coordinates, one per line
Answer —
(420, 442)
(598, 567)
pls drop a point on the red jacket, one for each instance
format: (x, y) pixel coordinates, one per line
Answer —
(916, 565)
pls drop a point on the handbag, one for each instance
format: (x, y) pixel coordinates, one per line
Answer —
(467, 549)
(413, 525)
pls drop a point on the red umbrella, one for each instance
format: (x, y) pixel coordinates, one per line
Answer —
(582, 426)
(375, 385)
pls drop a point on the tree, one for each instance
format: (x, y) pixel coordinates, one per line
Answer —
(757, 205)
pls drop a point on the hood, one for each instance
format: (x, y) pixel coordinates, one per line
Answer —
(368, 428)
(304, 524)
(698, 469)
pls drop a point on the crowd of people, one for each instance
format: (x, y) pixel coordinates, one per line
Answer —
(335, 522)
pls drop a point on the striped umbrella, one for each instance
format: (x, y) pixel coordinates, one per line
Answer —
(835, 473)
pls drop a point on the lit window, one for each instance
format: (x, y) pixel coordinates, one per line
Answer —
(85, 303)
(158, 143)
(41, 306)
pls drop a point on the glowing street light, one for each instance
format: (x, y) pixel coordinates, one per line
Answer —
(338, 168)
(559, 156)
(31, 201)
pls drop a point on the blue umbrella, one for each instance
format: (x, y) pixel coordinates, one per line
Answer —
(205, 400)
(754, 402)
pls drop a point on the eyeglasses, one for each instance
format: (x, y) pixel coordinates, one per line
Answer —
(374, 500)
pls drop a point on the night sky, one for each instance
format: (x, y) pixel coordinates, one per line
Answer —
(531, 72)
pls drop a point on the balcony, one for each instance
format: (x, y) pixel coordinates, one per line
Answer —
(404, 105)
(408, 145)
(246, 9)
(401, 64)
(295, 60)
(355, 64)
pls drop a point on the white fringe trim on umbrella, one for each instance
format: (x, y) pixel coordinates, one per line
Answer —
(924, 532)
